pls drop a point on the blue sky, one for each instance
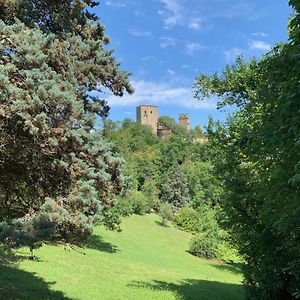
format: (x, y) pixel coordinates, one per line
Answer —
(165, 44)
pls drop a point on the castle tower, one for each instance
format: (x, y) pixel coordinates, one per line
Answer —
(147, 115)
(184, 121)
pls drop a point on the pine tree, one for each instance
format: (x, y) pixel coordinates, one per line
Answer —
(175, 190)
(57, 173)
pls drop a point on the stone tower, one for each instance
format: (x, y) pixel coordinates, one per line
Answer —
(147, 115)
(184, 121)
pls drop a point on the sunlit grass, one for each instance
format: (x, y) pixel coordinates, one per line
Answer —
(144, 261)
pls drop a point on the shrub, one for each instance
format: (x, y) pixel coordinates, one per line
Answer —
(228, 253)
(204, 245)
(166, 213)
(187, 219)
(138, 203)
(124, 207)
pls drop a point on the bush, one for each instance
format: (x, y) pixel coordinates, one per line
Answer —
(166, 213)
(124, 207)
(187, 219)
(138, 203)
(228, 253)
(204, 245)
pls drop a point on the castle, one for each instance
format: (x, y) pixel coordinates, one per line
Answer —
(148, 115)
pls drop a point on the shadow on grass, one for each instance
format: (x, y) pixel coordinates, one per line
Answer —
(192, 289)
(232, 268)
(18, 284)
(9, 258)
(96, 242)
(162, 225)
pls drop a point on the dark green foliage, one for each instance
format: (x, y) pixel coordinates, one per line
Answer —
(123, 206)
(207, 222)
(174, 151)
(57, 174)
(166, 213)
(260, 164)
(204, 186)
(204, 245)
(175, 190)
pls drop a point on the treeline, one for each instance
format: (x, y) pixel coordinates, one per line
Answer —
(174, 177)
(259, 163)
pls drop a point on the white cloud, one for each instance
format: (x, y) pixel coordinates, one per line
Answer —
(171, 72)
(148, 58)
(260, 45)
(167, 42)
(176, 13)
(191, 48)
(194, 23)
(141, 33)
(160, 94)
(115, 3)
(200, 14)
(250, 51)
(172, 13)
(260, 34)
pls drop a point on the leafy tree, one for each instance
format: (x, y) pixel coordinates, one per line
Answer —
(109, 127)
(57, 174)
(171, 124)
(197, 132)
(151, 193)
(133, 137)
(135, 143)
(204, 186)
(260, 164)
(175, 190)
(172, 152)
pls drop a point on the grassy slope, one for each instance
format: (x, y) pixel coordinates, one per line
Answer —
(144, 261)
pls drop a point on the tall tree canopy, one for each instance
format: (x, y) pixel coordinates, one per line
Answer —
(260, 166)
(57, 173)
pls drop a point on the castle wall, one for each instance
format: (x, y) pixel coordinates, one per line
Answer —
(163, 132)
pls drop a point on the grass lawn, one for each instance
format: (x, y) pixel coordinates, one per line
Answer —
(144, 261)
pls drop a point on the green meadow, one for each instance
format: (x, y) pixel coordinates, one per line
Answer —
(143, 261)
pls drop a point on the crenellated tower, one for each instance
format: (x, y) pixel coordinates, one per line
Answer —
(184, 121)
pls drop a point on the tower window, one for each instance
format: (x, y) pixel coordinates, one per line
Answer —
(151, 112)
